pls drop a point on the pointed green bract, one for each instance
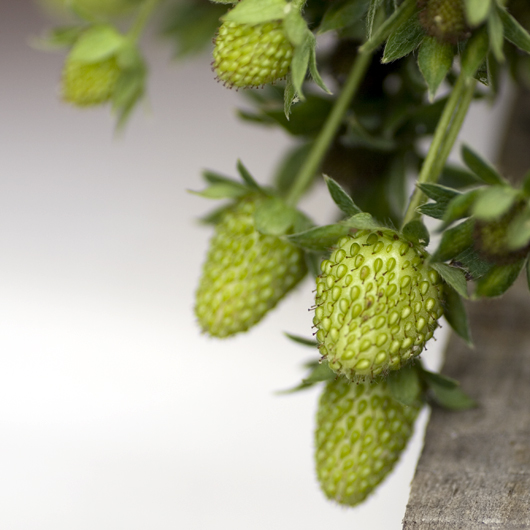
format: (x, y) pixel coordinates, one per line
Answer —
(377, 304)
(361, 432)
(246, 273)
(444, 19)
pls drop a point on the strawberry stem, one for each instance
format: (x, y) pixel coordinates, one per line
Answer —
(443, 140)
(326, 135)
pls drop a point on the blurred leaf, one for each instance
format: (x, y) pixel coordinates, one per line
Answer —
(454, 277)
(416, 232)
(496, 35)
(257, 11)
(485, 171)
(454, 241)
(498, 280)
(320, 238)
(342, 13)
(514, 32)
(451, 398)
(295, 27)
(456, 315)
(518, 232)
(273, 217)
(439, 379)
(493, 202)
(97, 44)
(477, 11)
(459, 207)
(405, 385)
(474, 53)
(247, 177)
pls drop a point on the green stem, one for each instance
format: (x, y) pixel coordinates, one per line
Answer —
(443, 140)
(326, 135)
(143, 17)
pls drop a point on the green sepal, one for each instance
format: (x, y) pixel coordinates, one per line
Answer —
(224, 190)
(457, 177)
(96, 44)
(342, 13)
(496, 35)
(416, 232)
(454, 241)
(438, 379)
(253, 12)
(442, 196)
(403, 40)
(435, 59)
(404, 385)
(320, 238)
(373, 7)
(289, 96)
(456, 315)
(451, 398)
(300, 63)
(362, 221)
(62, 37)
(341, 197)
(482, 169)
(475, 53)
(514, 32)
(301, 340)
(518, 232)
(473, 263)
(498, 280)
(477, 11)
(313, 70)
(273, 217)
(493, 202)
(320, 372)
(214, 217)
(459, 207)
(452, 276)
(247, 177)
(295, 27)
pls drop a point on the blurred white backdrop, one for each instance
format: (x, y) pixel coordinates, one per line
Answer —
(115, 413)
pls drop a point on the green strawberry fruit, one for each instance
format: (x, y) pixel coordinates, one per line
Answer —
(87, 84)
(251, 56)
(361, 432)
(444, 19)
(246, 273)
(377, 304)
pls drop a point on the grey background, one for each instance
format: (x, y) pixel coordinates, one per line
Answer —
(115, 413)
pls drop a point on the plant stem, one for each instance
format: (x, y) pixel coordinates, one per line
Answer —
(143, 17)
(443, 140)
(326, 135)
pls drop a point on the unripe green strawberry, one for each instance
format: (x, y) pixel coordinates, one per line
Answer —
(86, 84)
(246, 273)
(251, 56)
(377, 304)
(444, 19)
(361, 432)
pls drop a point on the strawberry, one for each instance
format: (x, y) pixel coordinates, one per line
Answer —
(444, 19)
(246, 273)
(251, 56)
(377, 304)
(86, 84)
(360, 434)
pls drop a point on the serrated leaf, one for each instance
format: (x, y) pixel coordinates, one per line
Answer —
(257, 11)
(451, 398)
(404, 40)
(273, 217)
(457, 177)
(456, 315)
(454, 277)
(341, 197)
(454, 241)
(97, 44)
(435, 59)
(496, 35)
(416, 232)
(404, 385)
(439, 379)
(514, 32)
(477, 11)
(493, 202)
(485, 171)
(320, 238)
(301, 340)
(247, 177)
(498, 280)
(341, 14)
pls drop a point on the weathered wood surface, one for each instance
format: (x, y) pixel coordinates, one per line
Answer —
(474, 471)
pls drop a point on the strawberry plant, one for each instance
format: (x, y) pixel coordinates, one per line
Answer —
(393, 76)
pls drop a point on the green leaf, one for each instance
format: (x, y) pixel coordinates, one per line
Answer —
(454, 277)
(455, 313)
(451, 398)
(493, 202)
(300, 62)
(97, 44)
(514, 32)
(320, 372)
(404, 385)
(435, 59)
(457, 177)
(471, 260)
(313, 70)
(341, 198)
(130, 86)
(361, 221)
(295, 27)
(289, 96)
(320, 238)
(403, 13)
(247, 177)
(62, 37)
(257, 11)
(477, 11)
(404, 40)
(475, 53)
(518, 232)
(485, 171)
(496, 35)
(216, 178)
(370, 16)
(438, 193)
(215, 217)
(455, 240)
(222, 191)
(416, 232)
(459, 207)
(498, 280)
(438, 379)
(342, 13)
(273, 217)
(301, 340)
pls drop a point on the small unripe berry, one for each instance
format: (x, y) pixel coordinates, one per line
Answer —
(87, 84)
(251, 56)
(246, 273)
(444, 19)
(361, 432)
(377, 304)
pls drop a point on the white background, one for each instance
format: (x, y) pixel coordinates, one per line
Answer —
(115, 413)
